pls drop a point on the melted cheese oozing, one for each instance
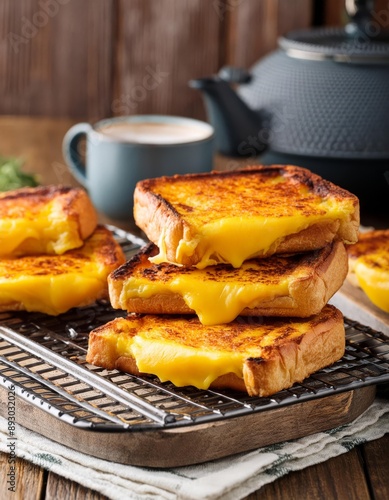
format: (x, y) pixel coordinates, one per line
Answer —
(214, 301)
(52, 294)
(372, 273)
(184, 365)
(53, 284)
(43, 232)
(236, 239)
(195, 357)
(180, 364)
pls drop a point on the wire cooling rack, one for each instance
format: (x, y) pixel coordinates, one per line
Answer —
(43, 357)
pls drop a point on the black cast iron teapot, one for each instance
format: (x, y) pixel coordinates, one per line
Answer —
(321, 101)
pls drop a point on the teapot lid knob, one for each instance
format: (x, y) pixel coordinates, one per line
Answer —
(359, 8)
(360, 13)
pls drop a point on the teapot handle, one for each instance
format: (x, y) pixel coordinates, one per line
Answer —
(231, 74)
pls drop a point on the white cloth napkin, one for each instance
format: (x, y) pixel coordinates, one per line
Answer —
(229, 478)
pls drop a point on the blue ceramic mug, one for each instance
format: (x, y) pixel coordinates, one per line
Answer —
(122, 151)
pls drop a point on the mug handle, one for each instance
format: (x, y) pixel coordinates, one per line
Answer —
(70, 151)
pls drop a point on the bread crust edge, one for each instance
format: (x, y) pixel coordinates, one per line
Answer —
(164, 226)
(279, 368)
(307, 296)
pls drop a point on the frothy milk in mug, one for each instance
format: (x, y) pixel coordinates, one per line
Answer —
(122, 151)
(154, 133)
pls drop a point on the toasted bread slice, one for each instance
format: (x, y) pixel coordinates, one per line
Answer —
(369, 266)
(230, 217)
(261, 357)
(282, 285)
(49, 220)
(52, 284)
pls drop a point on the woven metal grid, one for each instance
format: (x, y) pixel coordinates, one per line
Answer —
(44, 358)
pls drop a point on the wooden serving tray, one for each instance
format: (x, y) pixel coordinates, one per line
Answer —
(180, 445)
(199, 443)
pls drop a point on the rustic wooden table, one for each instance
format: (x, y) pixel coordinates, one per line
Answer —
(362, 473)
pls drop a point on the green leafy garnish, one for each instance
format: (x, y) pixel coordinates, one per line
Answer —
(12, 176)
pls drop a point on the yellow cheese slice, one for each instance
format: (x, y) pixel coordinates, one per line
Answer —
(52, 295)
(53, 284)
(369, 266)
(219, 238)
(217, 297)
(39, 231)
(184, 352)
(184, 365)
(372, 273)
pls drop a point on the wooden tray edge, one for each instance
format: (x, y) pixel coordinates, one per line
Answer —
(198, 443)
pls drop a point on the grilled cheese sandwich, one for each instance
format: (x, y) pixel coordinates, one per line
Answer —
(258, 241)
(261, 357)
(230, 217)
(53, 284)
(44, 220)
(281, 285)
(369, 266)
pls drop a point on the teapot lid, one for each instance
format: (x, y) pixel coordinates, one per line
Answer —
(337, 44)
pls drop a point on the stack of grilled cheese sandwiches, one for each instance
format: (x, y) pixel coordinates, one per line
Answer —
(53, 255)
(232, 290)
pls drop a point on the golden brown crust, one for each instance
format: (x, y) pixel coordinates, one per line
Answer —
(292, 362)
(368, 242)
(315, 236)
(71, 209)
(156, 216)
(320, 274)
(80, 208)
(99, 256)
(296, 174)
(373, 248)
(287, 360)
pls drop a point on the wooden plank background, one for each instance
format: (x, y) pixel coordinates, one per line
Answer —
(89, 59)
